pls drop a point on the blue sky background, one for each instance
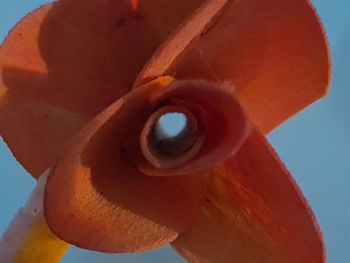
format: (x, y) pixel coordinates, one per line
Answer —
(315, 146)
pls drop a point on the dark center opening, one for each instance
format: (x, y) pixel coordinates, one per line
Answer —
(172, 134)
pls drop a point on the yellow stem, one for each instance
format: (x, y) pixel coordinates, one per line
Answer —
(28, 238)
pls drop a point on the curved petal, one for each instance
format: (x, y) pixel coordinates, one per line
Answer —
(273, 52)
(254, 212)
(169, 51)
(96, 198)
(67, 61)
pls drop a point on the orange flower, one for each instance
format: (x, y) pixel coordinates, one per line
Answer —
(217, 192)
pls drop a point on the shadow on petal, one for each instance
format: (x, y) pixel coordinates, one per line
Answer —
(76, 57)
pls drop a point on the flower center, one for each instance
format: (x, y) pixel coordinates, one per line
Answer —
(171, 133)
(170, 125)
(170, 137)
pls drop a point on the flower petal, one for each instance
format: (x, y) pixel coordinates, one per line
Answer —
(254, 212)
(96, 198)
(171, 49)
(273, 52)
(67, 61)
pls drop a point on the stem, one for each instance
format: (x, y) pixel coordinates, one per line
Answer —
(28, 238)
